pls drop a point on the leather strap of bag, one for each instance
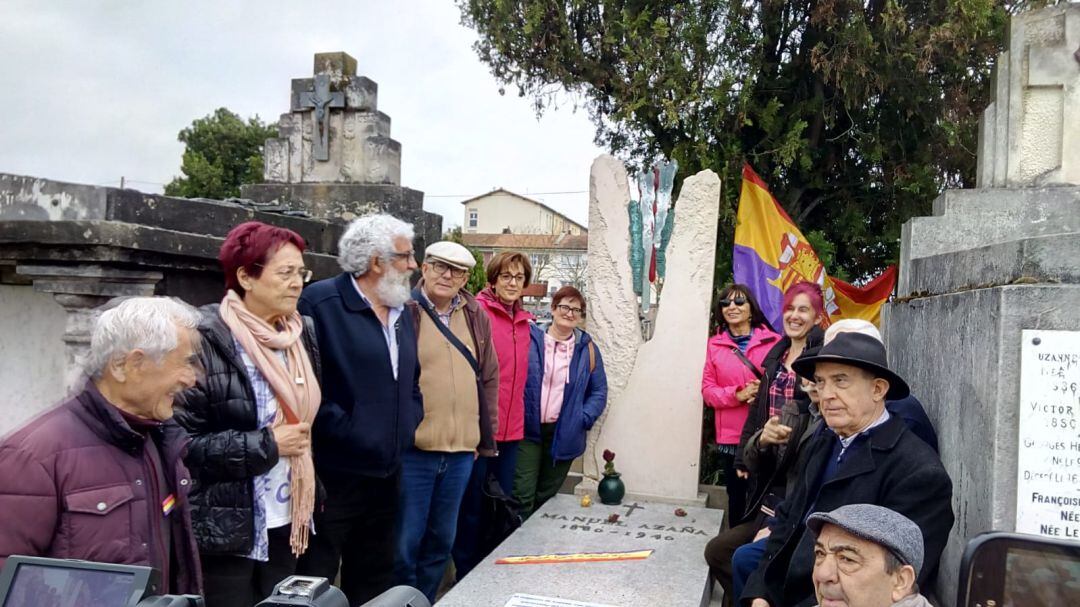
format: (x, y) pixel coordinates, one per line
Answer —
(450, 337)
(749, 365)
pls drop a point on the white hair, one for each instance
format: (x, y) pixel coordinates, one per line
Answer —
(138, 323)
(851, 325)
(370, 236)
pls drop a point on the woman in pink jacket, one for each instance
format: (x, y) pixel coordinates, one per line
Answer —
(729, 382)
(508, 273)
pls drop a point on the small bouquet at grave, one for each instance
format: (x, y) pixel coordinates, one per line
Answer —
(611, 488)
(609, 466)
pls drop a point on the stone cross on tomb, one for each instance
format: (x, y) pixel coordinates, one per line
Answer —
(320, 99)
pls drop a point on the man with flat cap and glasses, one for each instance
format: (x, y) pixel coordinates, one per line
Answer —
(866, 556)
(459, 380)
(862, 455)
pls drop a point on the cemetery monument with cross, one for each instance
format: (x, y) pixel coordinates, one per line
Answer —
(67, 249)
(334, 156)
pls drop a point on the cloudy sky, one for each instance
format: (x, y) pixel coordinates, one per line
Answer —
(96, 89)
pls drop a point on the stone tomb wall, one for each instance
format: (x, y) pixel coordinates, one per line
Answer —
(33, 374)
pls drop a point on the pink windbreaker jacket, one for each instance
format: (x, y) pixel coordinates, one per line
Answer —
(725, 374)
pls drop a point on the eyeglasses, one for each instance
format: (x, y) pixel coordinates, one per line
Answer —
(405, 255)
(286, 274)
(509, 278)
(565, 309)
(738, 301)
(440, 268)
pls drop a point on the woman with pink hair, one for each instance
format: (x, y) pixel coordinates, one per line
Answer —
(778, 412)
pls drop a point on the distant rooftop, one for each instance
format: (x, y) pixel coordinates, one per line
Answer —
(569, 242)
(526, 198)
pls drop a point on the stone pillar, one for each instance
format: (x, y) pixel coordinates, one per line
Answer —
(1030, 134)
(81, 290)
(653, 416)
(990, 263)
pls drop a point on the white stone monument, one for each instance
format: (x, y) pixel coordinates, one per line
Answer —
(653, 416)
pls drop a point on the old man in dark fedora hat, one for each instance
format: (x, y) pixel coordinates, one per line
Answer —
(863, 455)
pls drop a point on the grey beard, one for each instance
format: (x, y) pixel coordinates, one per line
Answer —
(393, 289)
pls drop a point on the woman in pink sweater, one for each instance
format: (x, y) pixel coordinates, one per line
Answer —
(729, 381)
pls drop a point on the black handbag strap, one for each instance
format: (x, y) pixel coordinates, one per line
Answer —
(746, 361)
(450, 337)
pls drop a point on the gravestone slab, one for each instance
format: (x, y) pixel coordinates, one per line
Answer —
(674, 575)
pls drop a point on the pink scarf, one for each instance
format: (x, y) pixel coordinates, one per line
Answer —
(296, 389)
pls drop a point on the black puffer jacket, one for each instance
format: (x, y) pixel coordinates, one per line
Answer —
(227, 448)
(769, 470)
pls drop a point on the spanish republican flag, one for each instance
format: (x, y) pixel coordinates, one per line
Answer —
(771, 254)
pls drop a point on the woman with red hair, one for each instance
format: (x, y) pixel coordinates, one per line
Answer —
(249, 416)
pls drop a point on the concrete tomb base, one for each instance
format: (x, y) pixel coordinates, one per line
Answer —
(674, 575)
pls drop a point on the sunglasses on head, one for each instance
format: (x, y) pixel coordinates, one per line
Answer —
(734, 300)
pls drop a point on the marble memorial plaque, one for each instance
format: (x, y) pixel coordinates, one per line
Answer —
(1048, 456)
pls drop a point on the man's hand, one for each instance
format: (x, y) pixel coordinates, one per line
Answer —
(764, 532)
(293, 439)
(748, 392)
(774, 433)
(743, 474)
(760, 603)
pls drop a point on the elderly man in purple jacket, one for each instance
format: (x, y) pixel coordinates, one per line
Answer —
(101, 477)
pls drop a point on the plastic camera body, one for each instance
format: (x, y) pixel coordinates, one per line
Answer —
(306, 591)
(29, 581)
(317, 592)
(1000, 568)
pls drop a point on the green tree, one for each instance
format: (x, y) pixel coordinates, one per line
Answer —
(857, 114)
(222, 152)
(477, 276)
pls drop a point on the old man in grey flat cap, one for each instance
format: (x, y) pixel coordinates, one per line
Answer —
(866, 556)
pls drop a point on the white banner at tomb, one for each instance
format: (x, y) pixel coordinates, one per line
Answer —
(1048, 457)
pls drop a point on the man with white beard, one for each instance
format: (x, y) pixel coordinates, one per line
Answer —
(371, 404)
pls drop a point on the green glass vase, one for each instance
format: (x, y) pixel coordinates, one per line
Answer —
(611, 489)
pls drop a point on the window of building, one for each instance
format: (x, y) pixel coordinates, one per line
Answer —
(474, 218)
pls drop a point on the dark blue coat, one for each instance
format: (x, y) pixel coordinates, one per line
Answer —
(914, 415)
(367, 418)
(583, 399)
(888, 466)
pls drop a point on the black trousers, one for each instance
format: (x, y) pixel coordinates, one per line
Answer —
(736, 490)
(355, 533)
(720, 549)
(231, 581)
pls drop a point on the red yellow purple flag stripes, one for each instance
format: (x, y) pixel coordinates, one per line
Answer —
(580, 557)
(771, 254)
